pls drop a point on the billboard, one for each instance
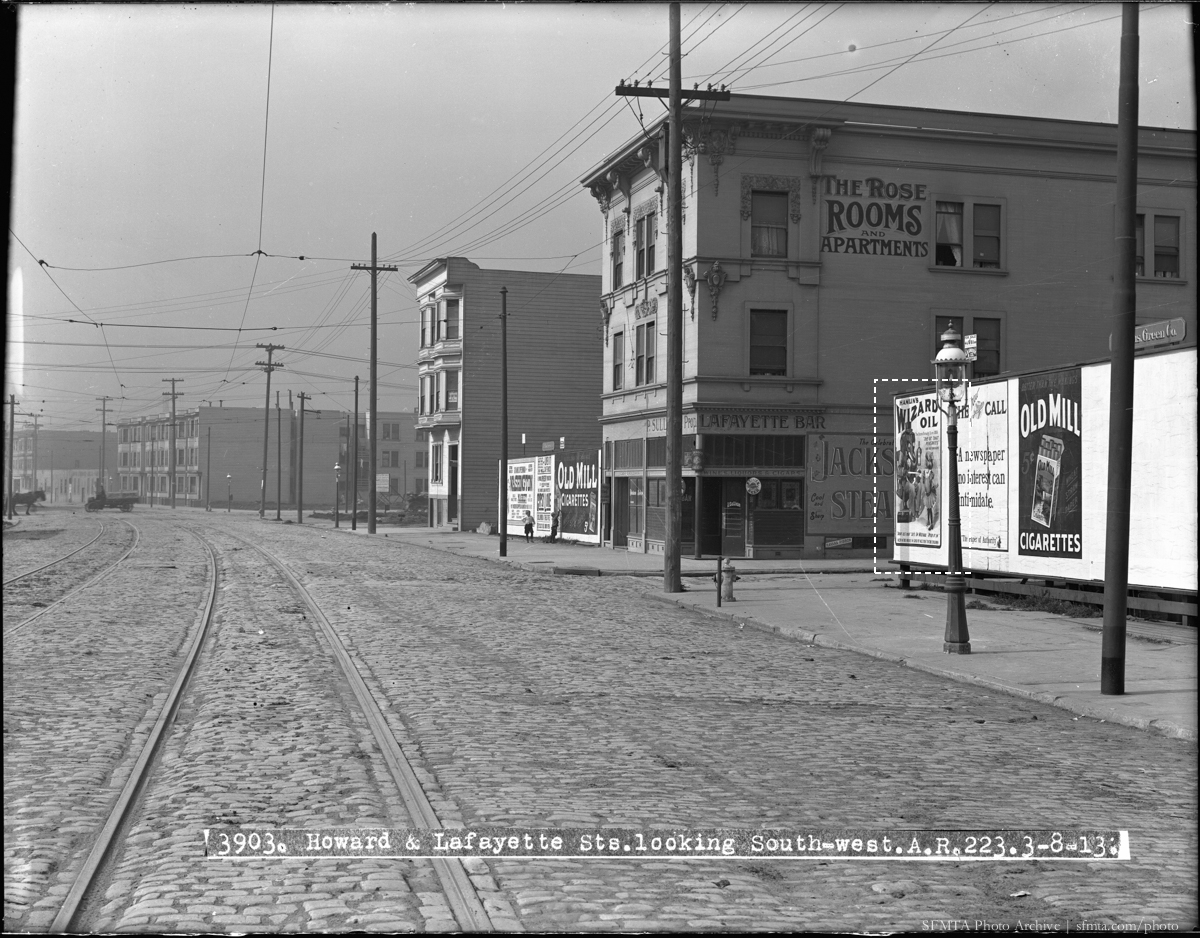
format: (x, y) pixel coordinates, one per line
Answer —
(577, 486)
(520, 490)
(1033, 488)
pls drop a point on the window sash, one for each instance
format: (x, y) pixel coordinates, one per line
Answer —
(618, 362)
(451, 390)
(1166, 246)
(618, 258)
(451, 331)
(768, 342)
(1139, 260)
(644, 370)
(987, 347)
(768, 224)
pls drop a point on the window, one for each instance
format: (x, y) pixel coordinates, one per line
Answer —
(1166, 246)
(435, 463)
(451, 328)
(636, 506)
(426, 326)
(645, 339)
(656, 452)
(393, 485)
(768, 224)
(618, 361)
(618, 258)
(451, 390)
(949, 234)
(986, 241)
(645, 236)
(420, 459)
(768, 342)
(989, 339)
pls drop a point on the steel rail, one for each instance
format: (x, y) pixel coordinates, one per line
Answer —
(137, 539)
(141, 770)
(456, 883)
(28, 573)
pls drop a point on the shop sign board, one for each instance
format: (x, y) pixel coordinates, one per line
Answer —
(918, 466)
(1050, 511)
(381, 482)
(1156, 334)
(983, 467)
(577, 483)
(850, 484)
(520, 489)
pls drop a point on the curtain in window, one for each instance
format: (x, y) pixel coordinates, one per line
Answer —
(768, 242)
(949, 234)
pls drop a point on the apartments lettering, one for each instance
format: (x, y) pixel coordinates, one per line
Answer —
(882, 212)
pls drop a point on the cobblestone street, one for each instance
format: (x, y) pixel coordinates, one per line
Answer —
(526, 700)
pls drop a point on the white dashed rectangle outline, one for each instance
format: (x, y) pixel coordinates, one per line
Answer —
(875, 486)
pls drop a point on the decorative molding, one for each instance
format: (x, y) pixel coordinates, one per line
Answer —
(714, 143)
(620, 182)
(647, 308)
(602, 194)
(618, 224)
(790, 184)
(715, 278)
(817, 145)
(689, 276)
(606, 313)
(641, 211)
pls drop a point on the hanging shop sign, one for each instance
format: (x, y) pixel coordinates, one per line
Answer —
(850, 484)
(874, 216)
(918, 466)
(983, 467)
(753, 486)
(1050, 515)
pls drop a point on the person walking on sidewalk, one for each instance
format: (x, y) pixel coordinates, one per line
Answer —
(528, 520)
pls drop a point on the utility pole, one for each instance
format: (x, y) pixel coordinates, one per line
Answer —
(354, 486)
(1120, 393)
(208, 475)
(12, 422)
(278, 457)
(373, 415)
(300, 461)
(674, 143)
(268, 366)
(172, 394)
(503, 422)
(103, 411)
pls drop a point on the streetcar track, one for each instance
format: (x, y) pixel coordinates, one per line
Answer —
(95, 578)
(460, 893)
(102, 847)
(66, 556)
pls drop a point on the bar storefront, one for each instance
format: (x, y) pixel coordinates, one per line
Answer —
(770, 483)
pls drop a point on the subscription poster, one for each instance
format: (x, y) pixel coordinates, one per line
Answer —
(1050, 515)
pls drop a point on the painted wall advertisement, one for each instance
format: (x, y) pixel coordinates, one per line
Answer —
(576, 477)
(1050, 515)
(850, 484)
(918, 465)
(520, 490)
(544, 489)
(983, 467)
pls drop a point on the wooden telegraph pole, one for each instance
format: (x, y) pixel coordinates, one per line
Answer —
(172, 394)
(674, 143)
(103, 411)
(302, 397)
(1120, 412)
(373, 414)
(268, 366)
(12, 420)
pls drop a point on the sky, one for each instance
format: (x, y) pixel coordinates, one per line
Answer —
(159, 148)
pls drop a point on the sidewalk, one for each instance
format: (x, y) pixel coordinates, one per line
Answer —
(845, 604)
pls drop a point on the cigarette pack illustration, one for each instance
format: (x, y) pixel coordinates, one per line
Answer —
(1045, 487)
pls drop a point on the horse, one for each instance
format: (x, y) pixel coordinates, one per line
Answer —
(28, 498)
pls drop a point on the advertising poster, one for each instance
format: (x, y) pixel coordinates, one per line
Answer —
(520, 490)
(544, 489)
(850, 484)
(918, 465)
(983, 467)
(577, 476)
(1051, 453)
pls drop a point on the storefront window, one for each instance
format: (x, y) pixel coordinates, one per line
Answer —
(636, 506)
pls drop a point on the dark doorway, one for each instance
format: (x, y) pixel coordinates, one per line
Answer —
(452, 499)
(620, 512)
(733, 517)
(710, 516)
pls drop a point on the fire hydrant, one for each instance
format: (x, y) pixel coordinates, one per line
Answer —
(728, 575)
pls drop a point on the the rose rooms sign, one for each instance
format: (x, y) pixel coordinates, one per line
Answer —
(874, 216)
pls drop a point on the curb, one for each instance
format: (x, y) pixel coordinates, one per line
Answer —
(1162, 727)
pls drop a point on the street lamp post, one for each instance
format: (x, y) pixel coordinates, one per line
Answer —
(228, 493)
(951, 367)
(337, 488)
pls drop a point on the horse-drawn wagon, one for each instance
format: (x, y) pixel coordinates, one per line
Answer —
(103, 500)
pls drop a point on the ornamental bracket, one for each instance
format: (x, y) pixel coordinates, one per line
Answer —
(715, 277)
